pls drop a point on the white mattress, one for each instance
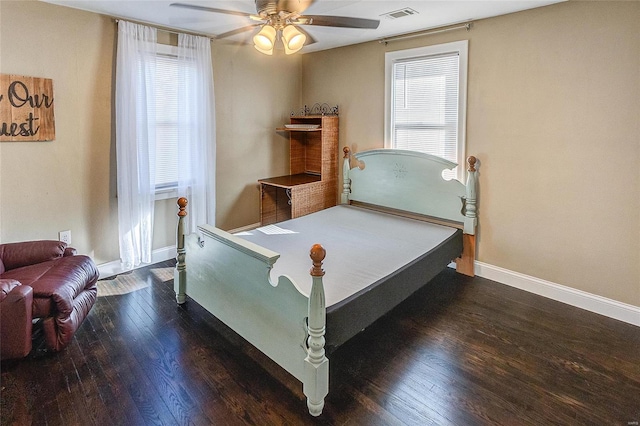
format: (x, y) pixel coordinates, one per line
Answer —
(363, 246)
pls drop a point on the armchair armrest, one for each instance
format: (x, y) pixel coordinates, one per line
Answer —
(16, 255)
(16, 305)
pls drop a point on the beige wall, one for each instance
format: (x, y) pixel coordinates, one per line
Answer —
(65, 184)
(254, 94)
(552, 115)
(69, 183)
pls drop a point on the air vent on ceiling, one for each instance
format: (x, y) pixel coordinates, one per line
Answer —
(401, 13)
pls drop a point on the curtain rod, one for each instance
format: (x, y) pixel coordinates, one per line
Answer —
(386, 40)
(165, 29)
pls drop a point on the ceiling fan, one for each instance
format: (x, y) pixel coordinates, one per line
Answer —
(283, 17)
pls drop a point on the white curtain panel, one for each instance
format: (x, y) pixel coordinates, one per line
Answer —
(196, 130)
(135, 140)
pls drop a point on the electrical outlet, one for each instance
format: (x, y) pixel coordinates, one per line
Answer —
(65, 236)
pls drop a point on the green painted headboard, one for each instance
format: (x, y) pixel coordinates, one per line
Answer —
(410, 181)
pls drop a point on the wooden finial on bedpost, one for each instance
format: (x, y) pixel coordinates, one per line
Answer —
(346, 181)
(182, 206)
(180, 272)
(316, 364)
(317, 254)
(472, 163)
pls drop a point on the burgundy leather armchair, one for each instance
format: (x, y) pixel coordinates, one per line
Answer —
(63, 291)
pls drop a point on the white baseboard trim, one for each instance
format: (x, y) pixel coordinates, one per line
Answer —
(115, 267)
(571, 296)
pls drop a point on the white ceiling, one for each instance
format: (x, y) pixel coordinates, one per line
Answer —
(431, 14)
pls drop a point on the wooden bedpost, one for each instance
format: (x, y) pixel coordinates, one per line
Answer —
(180, 273)
(471, 219)
(346, 167)
(316, 364)
(465, 263)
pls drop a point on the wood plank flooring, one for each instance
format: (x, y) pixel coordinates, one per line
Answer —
(461, 351)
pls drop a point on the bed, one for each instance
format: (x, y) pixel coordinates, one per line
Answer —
(398, 225)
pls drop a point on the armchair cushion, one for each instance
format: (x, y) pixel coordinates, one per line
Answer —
(16, 255)
(56, 283)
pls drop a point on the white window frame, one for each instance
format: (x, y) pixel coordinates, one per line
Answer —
(462, 48)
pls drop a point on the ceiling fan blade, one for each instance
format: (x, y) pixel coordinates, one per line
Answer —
(338, 21)
(238, 31)
(209, 9)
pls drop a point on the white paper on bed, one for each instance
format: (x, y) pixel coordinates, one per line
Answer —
(362, 247)
(274, 230)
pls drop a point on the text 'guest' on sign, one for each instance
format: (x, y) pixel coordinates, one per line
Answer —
(26, 109)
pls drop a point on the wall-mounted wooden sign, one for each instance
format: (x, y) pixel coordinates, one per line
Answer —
(26, 109)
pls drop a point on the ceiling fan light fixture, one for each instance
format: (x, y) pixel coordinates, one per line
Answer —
(293, 39)
(265, 39)
(265, 51)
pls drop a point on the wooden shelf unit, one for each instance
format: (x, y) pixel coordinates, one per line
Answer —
(312, 184)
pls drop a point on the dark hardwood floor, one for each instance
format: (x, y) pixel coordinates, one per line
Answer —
(461, 351)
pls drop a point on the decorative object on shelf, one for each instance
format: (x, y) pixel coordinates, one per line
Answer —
(302, 126)
(316, 109)
(281, 18)
(26, 109)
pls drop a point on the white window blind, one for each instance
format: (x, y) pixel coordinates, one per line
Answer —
(426, 105)
(166, 121)
(426, 101)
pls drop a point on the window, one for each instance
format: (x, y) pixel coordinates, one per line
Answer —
(426, 101)
(149, 126)
(167, 69)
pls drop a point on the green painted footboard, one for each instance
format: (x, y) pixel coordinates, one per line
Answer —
(230, 278)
